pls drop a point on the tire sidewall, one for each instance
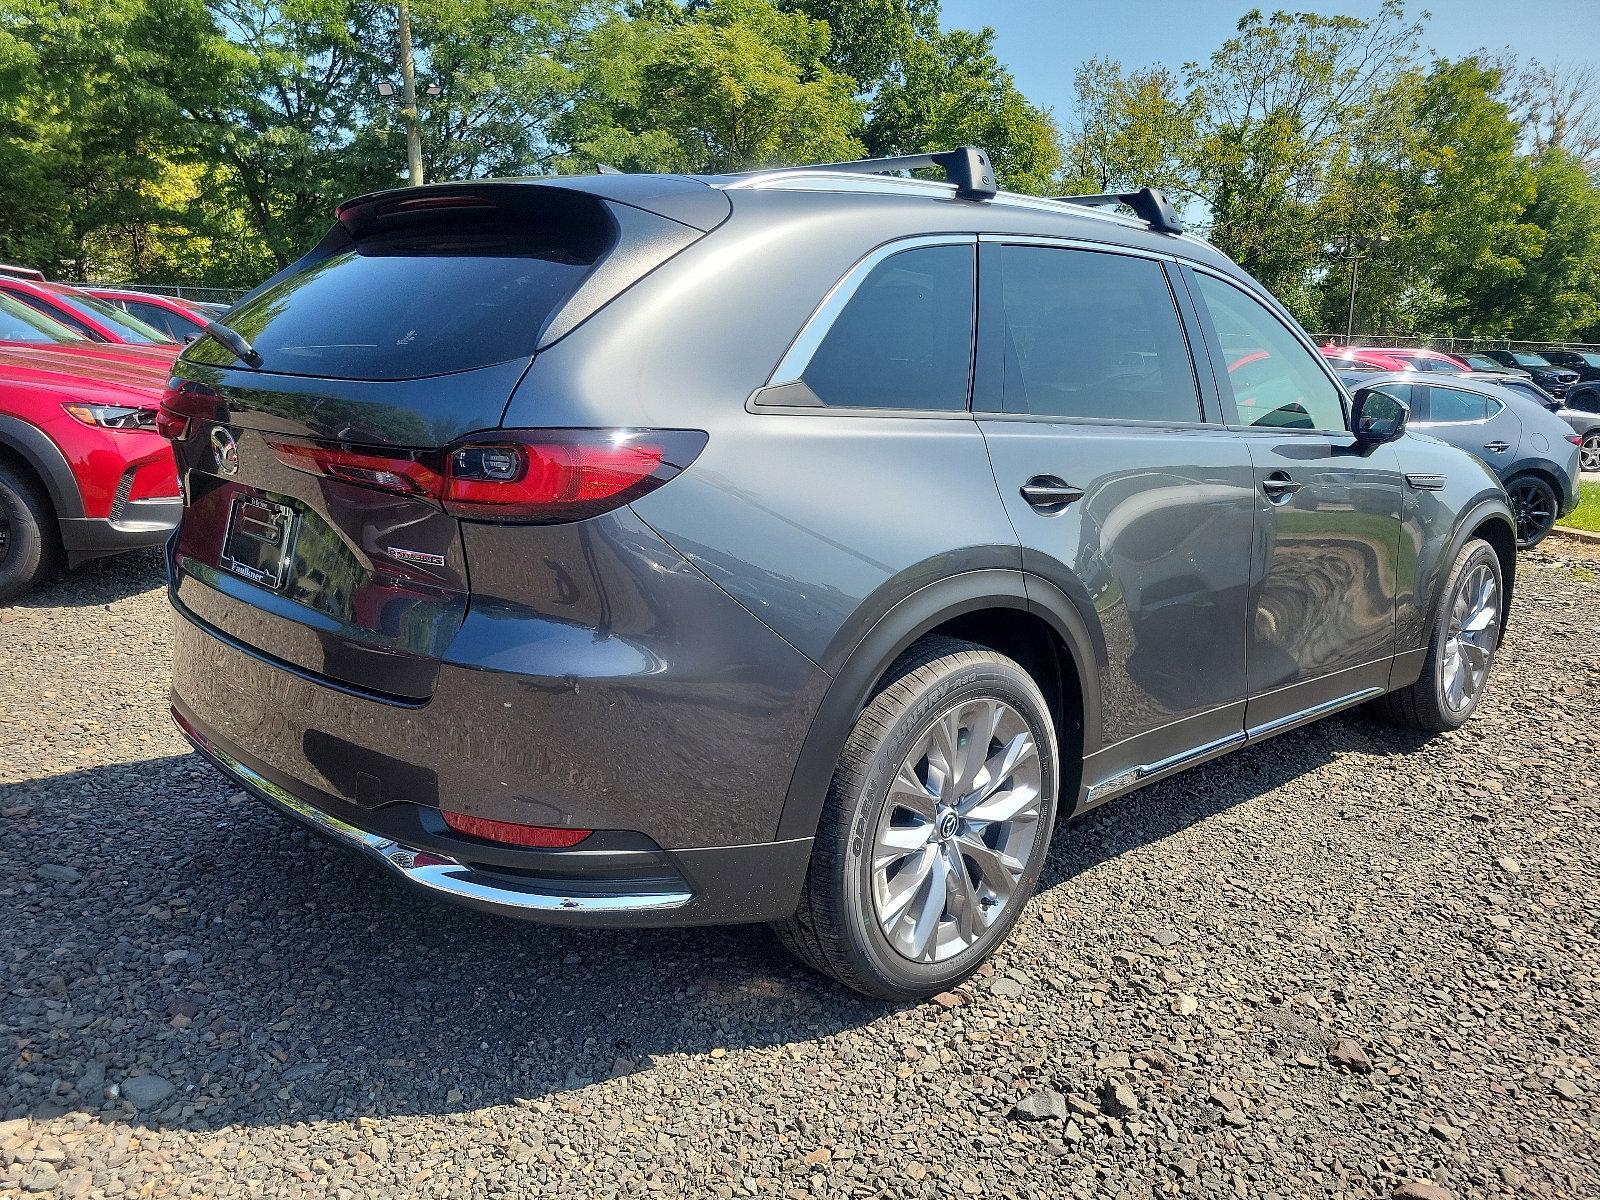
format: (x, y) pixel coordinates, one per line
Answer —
(1473, 553)
(1555, 505)
(25, 558)
(965, 682)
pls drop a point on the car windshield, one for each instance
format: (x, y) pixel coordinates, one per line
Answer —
(19, 323)
(125, 325)
(1484, 363)
(1529, 360)
(1590, 357)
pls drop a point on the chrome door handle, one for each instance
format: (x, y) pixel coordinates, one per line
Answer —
(1498, 447)
(1278, 486)
(1049, 494)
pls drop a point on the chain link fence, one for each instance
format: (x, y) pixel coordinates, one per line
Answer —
(1450, 345)
(182, 291)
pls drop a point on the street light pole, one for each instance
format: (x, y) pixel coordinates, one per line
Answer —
(1350, 320)
(408, 97)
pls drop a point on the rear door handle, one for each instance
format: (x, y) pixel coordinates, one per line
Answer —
(1498, 447)
(1278, 486)
(1050, 494)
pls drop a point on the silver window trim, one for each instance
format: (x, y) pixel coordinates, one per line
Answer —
(792, 366)
(1065, 243)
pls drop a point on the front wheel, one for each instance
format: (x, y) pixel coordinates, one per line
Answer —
(1534, 503)
(935, 827)
(1466, 633)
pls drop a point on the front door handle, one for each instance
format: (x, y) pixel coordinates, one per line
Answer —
(1279, 487)
(1498, 447)
(1050, 494)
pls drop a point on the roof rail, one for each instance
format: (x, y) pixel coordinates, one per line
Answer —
(21, 272)
(966, 166)
(1150, 204)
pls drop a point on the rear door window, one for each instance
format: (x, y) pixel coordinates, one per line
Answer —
(1454, 406)
(1096, 335)
(904, 338)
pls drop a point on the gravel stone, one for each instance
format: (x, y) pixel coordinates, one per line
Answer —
(1340, 877)
(1347, 1053)
(1047, 1104)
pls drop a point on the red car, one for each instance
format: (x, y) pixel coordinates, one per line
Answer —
(1396, 358)
(82, 471)
(88, 315)
(178, 319)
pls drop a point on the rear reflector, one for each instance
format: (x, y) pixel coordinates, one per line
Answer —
(529, 476)
(541, 837)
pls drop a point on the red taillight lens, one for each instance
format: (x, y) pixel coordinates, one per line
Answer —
(170, 425)
(1575, 438)
(540, 837)
(530, 476)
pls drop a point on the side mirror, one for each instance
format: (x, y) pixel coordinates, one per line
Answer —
(1378, 417)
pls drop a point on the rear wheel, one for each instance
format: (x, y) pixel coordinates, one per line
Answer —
(935, 827)
(1466, 634)
(29, 544)
(1589, 451)
(1534, 503)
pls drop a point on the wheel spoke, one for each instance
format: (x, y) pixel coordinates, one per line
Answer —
(906, 886)
(963, 899)
(1008, 805)
(898, 841)
(999, 872)
(910, 793)
(931, 910)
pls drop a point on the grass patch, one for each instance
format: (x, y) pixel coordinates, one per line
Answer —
(1587, 514)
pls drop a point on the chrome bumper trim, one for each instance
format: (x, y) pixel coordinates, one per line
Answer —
(426, 869)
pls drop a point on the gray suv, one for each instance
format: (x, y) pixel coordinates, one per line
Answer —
(795, 546)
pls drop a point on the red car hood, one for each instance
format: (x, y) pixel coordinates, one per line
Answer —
(104, 374)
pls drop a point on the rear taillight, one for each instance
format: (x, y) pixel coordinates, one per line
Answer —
(540, 837)
(170, 425)
(533, 476)
(1575, 438)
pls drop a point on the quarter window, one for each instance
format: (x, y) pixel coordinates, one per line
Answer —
(904, 339)
(1277, 383)
(1094, 335)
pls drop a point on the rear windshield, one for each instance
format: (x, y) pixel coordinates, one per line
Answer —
(431, 297)
(126, 326)
(19, 323)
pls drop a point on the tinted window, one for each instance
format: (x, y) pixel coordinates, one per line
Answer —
(1276, 381)
(1093, 335)
(1424, 363)
(904, 339)
(418, 301)
(1588, 404)
(65, 318)
(164, 319)
(1528, 360)
(19, 323)
(1452, 404)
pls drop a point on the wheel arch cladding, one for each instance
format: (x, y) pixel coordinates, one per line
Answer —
(989, 607)
(30, 449)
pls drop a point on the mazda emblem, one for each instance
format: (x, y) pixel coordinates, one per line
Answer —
(225, 450)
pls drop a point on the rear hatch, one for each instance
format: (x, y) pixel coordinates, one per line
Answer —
(313, 533)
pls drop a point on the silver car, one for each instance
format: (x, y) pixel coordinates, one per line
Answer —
(1530, 448)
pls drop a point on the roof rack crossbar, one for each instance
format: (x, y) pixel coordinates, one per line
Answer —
(966, 166)
(1150, 204)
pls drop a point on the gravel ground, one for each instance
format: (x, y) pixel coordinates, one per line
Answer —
(1341, 964)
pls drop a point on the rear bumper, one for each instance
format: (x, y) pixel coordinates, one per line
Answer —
(139, 523)
(715, 885)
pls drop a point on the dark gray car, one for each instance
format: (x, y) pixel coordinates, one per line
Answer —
(1533, 451)
(794, 546)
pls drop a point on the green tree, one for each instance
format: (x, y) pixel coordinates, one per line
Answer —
(732, 84)
(1134, 128)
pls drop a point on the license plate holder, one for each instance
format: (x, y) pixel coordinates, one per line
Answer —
(259, 541)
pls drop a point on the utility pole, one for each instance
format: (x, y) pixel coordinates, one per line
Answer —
(408, 97)
(1354, 247)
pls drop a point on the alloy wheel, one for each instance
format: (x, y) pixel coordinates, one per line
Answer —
(1470, 636)
(1535, 509)
(957, 830)
(1589, 453)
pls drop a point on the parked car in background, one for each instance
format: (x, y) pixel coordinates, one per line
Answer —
(1394, 358)
(1581, 411)
(1585, 362)
(95, 319)
(83, 471)
(1553, 379)
(178, 319)
(1521, 384)
(644, 549)
(1534, 452)
(1482, 362)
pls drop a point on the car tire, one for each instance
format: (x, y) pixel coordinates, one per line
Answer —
(1435, 703)
(1589, 452)
(29, 543)
(1534, 504)
(883, 909)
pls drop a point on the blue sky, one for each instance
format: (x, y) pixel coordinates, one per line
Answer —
(1043, 41)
